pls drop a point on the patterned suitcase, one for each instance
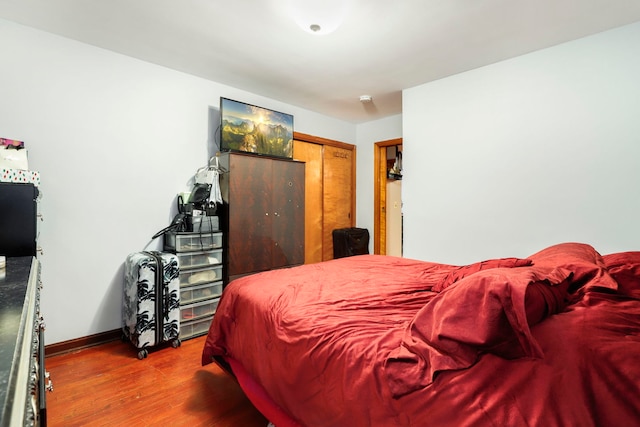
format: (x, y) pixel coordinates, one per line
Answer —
(151, 301)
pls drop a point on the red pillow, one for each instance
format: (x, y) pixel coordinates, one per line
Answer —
(489, 311)
(624, 267)
(583, 260)
(461, 272)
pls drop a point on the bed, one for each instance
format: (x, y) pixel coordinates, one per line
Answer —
(552, 339)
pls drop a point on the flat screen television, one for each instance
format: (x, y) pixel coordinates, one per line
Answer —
(252, 129)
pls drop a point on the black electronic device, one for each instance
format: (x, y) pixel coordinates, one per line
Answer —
(18, 214)
(179, 223)
(200, 195)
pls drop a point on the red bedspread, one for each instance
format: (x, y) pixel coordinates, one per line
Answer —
(366, 341)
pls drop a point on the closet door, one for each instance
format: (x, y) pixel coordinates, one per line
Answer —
(311, 154)
(338, 197)
(287, 211)
(329, 192)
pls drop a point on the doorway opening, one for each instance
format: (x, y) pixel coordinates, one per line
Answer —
(387, 236)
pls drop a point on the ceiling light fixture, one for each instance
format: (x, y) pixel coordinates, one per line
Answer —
(366, 98)
(319, 17)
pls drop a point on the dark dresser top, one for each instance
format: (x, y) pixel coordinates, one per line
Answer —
(13, 290)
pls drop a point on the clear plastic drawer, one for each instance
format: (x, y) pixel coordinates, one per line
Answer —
(195, 328)
(200, 292)
(199, 259)
(198, 309)
(200, 276)
(189, 242)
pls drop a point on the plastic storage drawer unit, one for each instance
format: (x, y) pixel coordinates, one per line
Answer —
(200, 292)
(198, 309)
(200, 276)
(199, 259)
(188, 242)
(194, 328)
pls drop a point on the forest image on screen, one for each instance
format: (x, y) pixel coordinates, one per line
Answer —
(253, 129)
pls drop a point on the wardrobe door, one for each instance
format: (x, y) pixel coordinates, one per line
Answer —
(250, 219)
(288, 213)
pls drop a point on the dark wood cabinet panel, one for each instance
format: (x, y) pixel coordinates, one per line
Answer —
(248, 219)
(263, 213)
(288, 219)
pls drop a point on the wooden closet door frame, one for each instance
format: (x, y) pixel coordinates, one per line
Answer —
(332, 143)
(380, 194)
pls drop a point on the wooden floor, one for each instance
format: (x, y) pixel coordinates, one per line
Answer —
(107, 385)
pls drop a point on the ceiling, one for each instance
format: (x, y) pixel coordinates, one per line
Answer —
(381, 48)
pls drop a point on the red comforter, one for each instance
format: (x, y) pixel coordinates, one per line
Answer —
(551, 340)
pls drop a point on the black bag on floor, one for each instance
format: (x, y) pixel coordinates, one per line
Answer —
(350, 241)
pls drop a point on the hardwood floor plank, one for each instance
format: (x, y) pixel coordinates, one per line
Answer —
(107, 385)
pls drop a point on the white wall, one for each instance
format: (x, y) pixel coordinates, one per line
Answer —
(115, 139)
(367, 135)
(544, 148)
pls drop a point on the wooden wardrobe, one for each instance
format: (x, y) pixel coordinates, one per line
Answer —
(262, 217)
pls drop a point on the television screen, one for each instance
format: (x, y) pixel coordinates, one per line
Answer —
(253, 129)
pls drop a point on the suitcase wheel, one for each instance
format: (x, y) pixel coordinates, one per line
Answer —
(143, 353)
(176, 343)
